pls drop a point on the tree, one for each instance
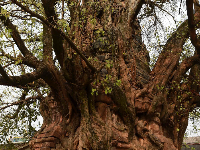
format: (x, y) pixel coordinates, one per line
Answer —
(88, 70)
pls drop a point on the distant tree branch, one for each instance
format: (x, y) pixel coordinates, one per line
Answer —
(21, 101)
(33, 14)
(24, 93)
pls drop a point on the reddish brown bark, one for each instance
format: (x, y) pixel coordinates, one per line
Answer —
(148, 110)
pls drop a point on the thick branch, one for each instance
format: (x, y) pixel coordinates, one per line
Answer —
(185, 66)
(191, 25)
(4, 74)
(57, 38)
(173, 46)
(169, 58)
(23, 79)
(47, 43)
(73, 46)
(195, 84)
(21, 101)
(170, 55)
(134, 9)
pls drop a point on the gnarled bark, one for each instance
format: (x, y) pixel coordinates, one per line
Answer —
(103, 94)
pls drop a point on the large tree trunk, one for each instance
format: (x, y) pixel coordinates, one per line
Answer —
(144, 112)
(103, 93)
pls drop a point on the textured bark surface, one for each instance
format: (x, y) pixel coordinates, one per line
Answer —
(103, 94)
(139, 114)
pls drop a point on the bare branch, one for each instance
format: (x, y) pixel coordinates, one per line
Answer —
(16, 36)
(15, 59)
(23, 79)
(21, 101)
(185, 66)
(4, 74)
(161, 8)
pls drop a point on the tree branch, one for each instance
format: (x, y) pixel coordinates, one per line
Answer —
(20, 43)
(21, 101)
(4, 74)
(23, 79)
(169, 58)
(47, 43)
(15, 59)
(185, 66)
(73, 46)
(191, 25)
(134, 9)
(170, 55)
(195, 83)
(24, 93)
(57, 38)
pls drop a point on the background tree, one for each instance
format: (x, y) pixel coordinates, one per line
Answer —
(86, 68)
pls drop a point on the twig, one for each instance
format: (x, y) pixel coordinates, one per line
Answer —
(21, 101)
